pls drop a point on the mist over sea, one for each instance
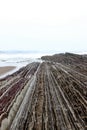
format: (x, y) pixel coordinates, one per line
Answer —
(18, 59)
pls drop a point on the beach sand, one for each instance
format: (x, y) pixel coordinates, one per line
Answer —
(6, 69)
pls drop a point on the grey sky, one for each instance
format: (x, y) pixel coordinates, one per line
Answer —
(45, 25)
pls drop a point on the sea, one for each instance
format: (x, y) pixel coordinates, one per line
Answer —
(18, 59)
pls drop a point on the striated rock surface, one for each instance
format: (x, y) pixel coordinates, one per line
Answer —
(51, 95)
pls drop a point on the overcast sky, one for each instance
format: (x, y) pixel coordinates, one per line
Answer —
(43, 25)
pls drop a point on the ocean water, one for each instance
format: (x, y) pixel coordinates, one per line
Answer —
(19, 60)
